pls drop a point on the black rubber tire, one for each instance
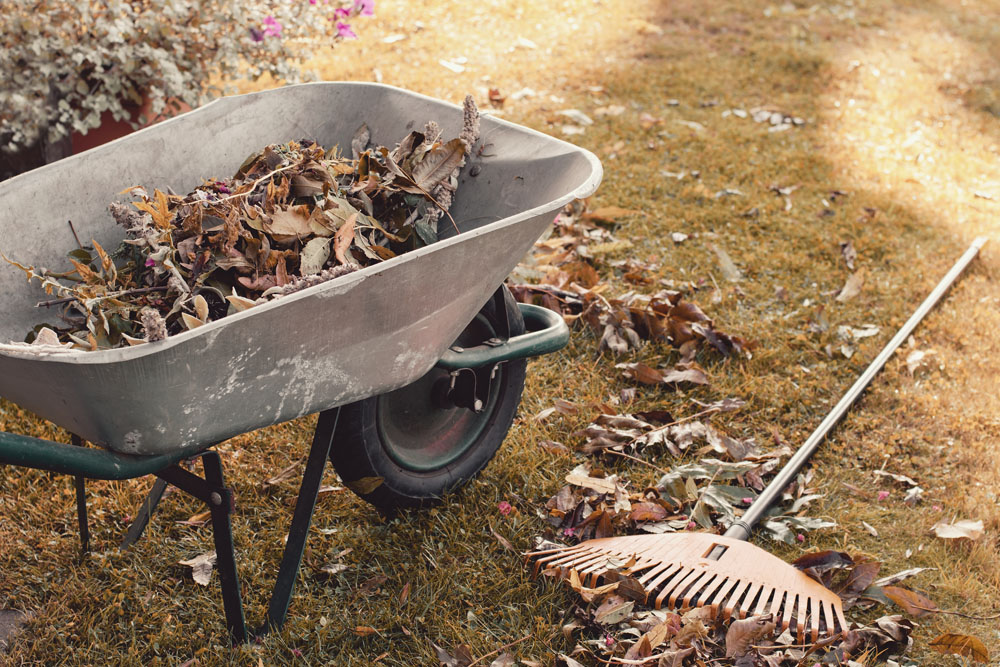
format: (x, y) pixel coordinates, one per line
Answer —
(366, 466)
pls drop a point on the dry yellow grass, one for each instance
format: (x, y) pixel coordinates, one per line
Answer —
(901, 105)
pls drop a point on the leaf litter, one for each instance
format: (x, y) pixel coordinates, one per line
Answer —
(293, 215)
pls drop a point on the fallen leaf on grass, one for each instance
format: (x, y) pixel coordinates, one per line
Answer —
(201, 567)
(729, 270)
(599, 484)
(461, 658)
(900, 576)
(964, 645)
(871, 530)
(849, 254)
(852, 287)
(964, 529)
(912, 602)
(918, 359)
(689, 374)
(284, 475)
(333, 568)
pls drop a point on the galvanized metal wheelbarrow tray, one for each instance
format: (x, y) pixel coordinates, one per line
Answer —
(355, 337)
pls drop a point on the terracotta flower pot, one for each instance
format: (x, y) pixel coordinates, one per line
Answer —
(110, 128)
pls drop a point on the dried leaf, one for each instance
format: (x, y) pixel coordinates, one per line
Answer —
(743, 633)
(912, 602)
(343, 240)
(601, 485)
(964, 645)
(729, 270)
(314, 255)
(964, 529)
(365, 485)
(848, 253)
(201, 567)
(853, 286)
(240, 303)
(438, 164)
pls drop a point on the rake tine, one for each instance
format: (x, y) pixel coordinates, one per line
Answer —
(734, 599)
(662, 576)
(762, 601)
(786, 617)
(702, 591)
(652, 574)
(719, 597)
(800, 621)
(681, 574)
(814, 619)
(775, 610)
(689, 582)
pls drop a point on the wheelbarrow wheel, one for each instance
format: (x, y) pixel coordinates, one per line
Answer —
(403, 449)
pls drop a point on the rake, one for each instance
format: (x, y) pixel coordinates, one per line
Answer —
(726, 573)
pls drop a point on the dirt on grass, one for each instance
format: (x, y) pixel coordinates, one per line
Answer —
(896, 153)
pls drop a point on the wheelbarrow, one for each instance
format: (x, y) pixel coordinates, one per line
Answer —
(416, 365)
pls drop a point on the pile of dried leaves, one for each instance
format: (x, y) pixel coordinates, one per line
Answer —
(565, 265)
(292, 216)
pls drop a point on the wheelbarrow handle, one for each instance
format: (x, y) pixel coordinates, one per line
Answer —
(546, 332)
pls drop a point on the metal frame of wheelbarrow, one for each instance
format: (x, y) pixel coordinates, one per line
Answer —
(471, 369)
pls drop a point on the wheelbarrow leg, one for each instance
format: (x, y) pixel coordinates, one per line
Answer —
(144, 513)
(81, 505)
(291, 559)
(213, 492)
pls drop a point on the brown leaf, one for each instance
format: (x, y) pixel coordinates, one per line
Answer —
(289, 224)
(848, 253)
(646, 511)
(437, 165)
(642, 373)
(964, 645)
(343, 240)
(743, 633)
(853, 286)
(912, 602)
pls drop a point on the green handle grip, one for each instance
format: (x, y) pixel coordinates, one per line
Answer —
(546, 332)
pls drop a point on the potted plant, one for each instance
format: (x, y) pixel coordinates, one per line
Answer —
(67, 68)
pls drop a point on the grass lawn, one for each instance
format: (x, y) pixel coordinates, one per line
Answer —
(900, 103)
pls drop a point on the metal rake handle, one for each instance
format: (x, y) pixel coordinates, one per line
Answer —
(741, 529)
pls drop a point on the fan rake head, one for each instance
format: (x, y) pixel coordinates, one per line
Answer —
(685, 570)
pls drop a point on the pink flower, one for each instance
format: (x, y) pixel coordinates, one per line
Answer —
(504, 507)
(150, 262)
(748, 500)
(800, 538)
(882, 495)
(297, 653)
(272, 27)
(936, 508)
(609, 641)
(344, 30)
(692, 525)
(256, 35)
(341, 13)
(569, 532)
(367, 7)
(312, 2)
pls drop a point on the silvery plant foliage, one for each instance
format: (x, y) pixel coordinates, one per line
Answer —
(64, 63)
